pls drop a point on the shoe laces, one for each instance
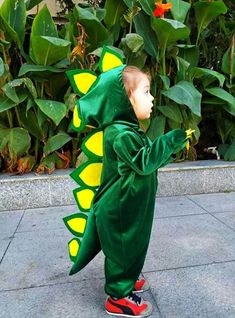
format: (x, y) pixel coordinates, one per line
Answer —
(136, 299)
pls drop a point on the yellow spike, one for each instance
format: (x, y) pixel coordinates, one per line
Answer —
(91, 174)
(95, 143)
(76, 120)
(110, 61)
(85, 198)
(84, 81)
(77, 224)
(73, 248)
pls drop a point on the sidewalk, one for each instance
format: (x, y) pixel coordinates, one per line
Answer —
(190, 263)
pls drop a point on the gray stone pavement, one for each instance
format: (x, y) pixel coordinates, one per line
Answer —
(190, 263)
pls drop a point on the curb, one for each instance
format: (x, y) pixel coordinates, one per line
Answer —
(35, 191)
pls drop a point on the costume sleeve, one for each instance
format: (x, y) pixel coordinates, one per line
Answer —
(146, 159)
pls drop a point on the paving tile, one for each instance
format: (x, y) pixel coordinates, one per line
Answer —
(4, 242)
(174, 206)
(189, 240)
(9, 221)
(45, 218)
(215, 202)
(204, 291)
(38, 258)
(227, 217)
(64, 300)
(80, 299)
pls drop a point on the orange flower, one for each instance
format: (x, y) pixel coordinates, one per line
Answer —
(161, 8)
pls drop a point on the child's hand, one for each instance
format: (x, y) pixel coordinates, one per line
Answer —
(188, 136)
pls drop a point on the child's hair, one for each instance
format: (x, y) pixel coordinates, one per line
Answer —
(131, 77)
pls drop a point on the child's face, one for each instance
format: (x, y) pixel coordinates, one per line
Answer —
(141, 99)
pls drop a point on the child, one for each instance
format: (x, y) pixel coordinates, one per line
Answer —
(121, 217)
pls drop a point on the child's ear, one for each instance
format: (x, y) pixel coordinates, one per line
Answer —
(131, 98)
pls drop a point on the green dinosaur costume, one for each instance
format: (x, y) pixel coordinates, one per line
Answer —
(121, 211)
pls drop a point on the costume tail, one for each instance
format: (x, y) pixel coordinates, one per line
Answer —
(89, 247)
(86, 244)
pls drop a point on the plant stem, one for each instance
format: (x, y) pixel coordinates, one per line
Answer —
(231, 62)
(36, 149)
(42, 90)
(18, 117)
(9, 116)
(163, 58)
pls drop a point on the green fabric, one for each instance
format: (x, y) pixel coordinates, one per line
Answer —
(122, 212)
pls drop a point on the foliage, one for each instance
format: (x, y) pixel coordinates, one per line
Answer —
(190, 55)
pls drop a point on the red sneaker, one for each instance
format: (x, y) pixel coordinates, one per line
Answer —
(129, 306)
(141, 285)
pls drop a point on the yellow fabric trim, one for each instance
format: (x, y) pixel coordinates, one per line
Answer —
(84, 81)
(95, 143)
(110, 61)
(77, 224)
(85, 198)
(76, 120)
(91, 175)
(73, 248)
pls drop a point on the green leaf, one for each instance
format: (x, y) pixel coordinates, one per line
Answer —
(30, 122)
(189, 53)
(225, 96)
(54, 49)
(179, 9)
(42, 121)
(185, 93)
(6, 103)
(206, 11)
(148, 6)
(228, 63)
(197, 72)
(171, 111)
(13, 89)
(157, 127)
(56, 142)
(166, 81)
(230, 152)
(114, 10)
(4, 136)
(169, 31)
(2, 67)
(142, 26)
(9, 33)
(96, 32)
(182, 67)
(43, 25)
(28, 68)
(14, 13)
(18, 140)
(134, 42)
(54, 110)
(173, 124)
(136, 59)
(10, 92)
(213, 101)
(128, 3)
(32, 3)
(225, 127)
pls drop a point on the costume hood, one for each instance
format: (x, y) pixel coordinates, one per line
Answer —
(107, 102)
